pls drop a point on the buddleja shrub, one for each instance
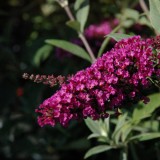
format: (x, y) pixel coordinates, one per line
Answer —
(115, 80)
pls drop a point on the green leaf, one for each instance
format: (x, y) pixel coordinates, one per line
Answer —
(152, 125)
(144, 21)
(93, 135)
(126, 130)
(144, 110)
(70, 47)
(107, 126)
(155, 14)
(74, 25)
(97, 127)
(118, 36)
(120, 123)
(146, 136)
(97, 149)
(42, 54)
(118, 132)
(131, 14)
(82, 9)
(94, 126)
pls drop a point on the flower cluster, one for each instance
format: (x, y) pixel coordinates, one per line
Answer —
(98, 31)
(114, 80)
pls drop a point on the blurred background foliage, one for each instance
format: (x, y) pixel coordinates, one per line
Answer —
(24, 26)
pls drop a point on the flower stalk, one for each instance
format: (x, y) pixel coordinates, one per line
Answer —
(81, 35)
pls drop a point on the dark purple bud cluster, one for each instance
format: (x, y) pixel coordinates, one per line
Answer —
(50, 80)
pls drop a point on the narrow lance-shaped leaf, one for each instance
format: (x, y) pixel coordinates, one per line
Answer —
(155, 14)
(70, 47)
(97, 149)
(94, 126)
(93, 135)
(126, 130)
(118, 129)
(107, 125)
(82, 9)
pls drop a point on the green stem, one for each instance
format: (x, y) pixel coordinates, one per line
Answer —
(88, 48)
(106, 40)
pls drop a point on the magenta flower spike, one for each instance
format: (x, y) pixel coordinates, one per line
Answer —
(112, 81)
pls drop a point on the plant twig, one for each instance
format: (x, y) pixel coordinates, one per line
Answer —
(81, 36)
(68, 11)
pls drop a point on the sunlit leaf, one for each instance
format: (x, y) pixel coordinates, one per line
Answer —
(107, 125)
(95, 126)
